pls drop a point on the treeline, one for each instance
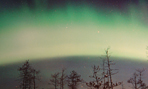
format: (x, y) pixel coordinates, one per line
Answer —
(101, 77)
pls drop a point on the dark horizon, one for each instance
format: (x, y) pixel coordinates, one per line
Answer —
(82, 65)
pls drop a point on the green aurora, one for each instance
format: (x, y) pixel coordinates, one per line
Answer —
(72, 31)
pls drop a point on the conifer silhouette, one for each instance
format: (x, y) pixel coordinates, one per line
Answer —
(110, 71)
(27, 76)
(62, 79)
(137, 81)
(54, 80)
(96, 83)
(74, 79)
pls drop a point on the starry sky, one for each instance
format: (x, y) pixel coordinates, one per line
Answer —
(34, 29)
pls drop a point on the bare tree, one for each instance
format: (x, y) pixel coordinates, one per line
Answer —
(108, 84)
(104, 74)
(35, 77)
(54, 80)
(27, 76)
(74, 80)
(62, 78)
(96, 83)
(105, 81)
(137, 81)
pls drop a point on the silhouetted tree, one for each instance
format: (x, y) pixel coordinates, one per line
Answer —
(137, 81)
(54, 80)
(35, 77)
(96, 83)
(104, 74)
(74, 79)
(27, 76)
(105, 83)
(108, 84)
(62, 78)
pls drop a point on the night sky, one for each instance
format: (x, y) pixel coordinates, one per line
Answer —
(31, 29)
(39, 29)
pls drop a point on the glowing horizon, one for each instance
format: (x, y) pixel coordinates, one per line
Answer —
(27, 34)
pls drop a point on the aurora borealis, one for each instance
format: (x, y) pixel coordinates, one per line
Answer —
(52, 34)
(34, 30)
